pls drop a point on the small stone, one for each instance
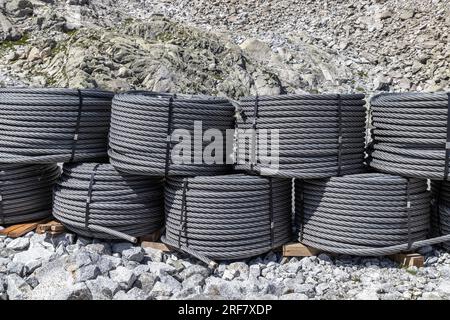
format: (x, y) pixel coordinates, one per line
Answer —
(164, 289)
(32, 281)
(34, 54)
(19, 244)
(119, 247)
(19, 8)
(18, 289)
(86, 273)
(444, 288)
(140, 269)
(146, 281)
(406, 14)
(103, 288)
(81, 259)
(193, 281)
(133, 254)
(154, 255)
(307, 289)
(195, 269)
(123, 276)
(16, 268)
(160, 268)
(241, 268)
(430, 296)
(133, 294)
(254, 271)
(385, 14)
(230, 274)
(98, 248)
(79, 291)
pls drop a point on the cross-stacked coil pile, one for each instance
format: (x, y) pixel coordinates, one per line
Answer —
(95, 200)
(319, 135)
(362, 214)
(53, 125)
(411, 134)
(142, 122)
(227, 217)
(26, 192)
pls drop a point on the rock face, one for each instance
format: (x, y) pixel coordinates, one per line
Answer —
(372, 38)
(70, 45)
(224, 47)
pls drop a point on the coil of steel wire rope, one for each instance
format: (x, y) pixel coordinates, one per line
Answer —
(26, 192)
(440, 212)
(53, 125)
(143, 129)
(319, 135)
(364, 214)
(227, 217)
(95, 200)
(411, 134)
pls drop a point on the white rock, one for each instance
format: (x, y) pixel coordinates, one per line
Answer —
(19, 244)
(125, 277)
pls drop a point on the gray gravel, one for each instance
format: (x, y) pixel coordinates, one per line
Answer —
(63, 267)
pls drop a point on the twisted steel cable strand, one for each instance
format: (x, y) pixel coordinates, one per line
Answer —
(95, 200)
(26, 192)
(440, 213)
(141, 123)
(410, 134)
(364, 214)
(319, 135)
(53, 125)
(227, 217)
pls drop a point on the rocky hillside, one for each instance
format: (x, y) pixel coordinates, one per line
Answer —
(226, 47)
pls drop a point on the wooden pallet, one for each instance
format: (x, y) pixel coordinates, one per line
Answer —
(408, 259)
(18, 230)
(297, 249)
(52, 227)
(156, 245)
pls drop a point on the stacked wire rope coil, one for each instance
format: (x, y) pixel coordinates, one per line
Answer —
(227, 217)
(143, 126)
(319, 135)
(440, 213)
(53, 125)
(26, 192)
(363, 214)
(95, 200)
(412, 134)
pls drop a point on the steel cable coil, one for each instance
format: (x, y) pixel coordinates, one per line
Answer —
(440, 213)
(26, 192)
(319, 135)
(364, 214)
(142, 122)
(227, 217)
(53, 125)
(411, 134)
(95, 200)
